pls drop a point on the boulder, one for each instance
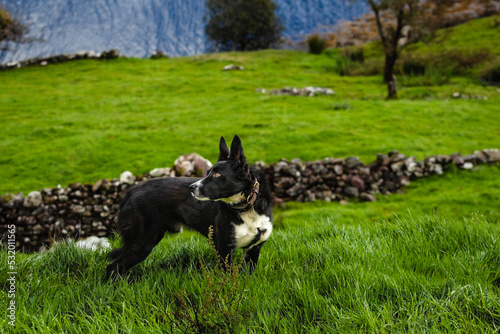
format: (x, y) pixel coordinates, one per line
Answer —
(352, 162)
(492, 154)
(365, 197)
(351, 192)
(232, 67)
(127, 178)
(191, 164)
(34, 198)
(358, 183)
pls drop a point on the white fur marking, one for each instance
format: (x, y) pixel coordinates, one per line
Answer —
(235, 199)
(246, 232)
(201, 198)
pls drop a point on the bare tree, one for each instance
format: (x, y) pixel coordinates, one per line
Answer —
(402, 13)
(11, 30)
(418, 18)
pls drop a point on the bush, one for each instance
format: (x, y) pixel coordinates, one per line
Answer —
(354, 53)
(434, 76)
(465, 59)
(159, 55)
(413, 67)
(316, 44)
(242, 25)
(342, 66)
(110, 54)
(490, 74)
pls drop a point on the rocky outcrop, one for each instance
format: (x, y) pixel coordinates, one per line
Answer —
(83, 210)
(294, 91)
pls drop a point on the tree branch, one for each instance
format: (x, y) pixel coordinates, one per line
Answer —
(376, 11)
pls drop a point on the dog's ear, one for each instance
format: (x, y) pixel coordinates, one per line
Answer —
(237, 153)
(223, 150)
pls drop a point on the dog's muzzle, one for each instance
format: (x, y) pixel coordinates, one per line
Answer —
(195, 191)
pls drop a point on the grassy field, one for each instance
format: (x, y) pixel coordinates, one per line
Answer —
(86, 120)
(419, 273)
(422, 261)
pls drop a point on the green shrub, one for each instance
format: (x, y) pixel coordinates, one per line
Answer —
(464, 59)
(413, 66)
(490, 74)
(316, 44)
(367, 68)
(342, 65)
(434, 76)
(354, 53)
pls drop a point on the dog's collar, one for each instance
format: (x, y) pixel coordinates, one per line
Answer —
(250, 199)
(254, 193)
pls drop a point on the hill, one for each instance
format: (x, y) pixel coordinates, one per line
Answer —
(138, 28)
(467, 50)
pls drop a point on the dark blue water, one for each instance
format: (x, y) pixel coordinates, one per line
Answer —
(139, 27)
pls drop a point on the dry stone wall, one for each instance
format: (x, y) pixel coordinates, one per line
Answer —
(43, 61)
(83, 210)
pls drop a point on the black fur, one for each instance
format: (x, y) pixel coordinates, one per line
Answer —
(162, 205)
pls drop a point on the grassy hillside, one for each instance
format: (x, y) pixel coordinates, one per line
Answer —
(468, 50)
(86, 120)
(476, 35)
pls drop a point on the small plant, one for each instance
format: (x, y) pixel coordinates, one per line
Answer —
(341, 65)
(159, 55)
(413, 67)
(316, 44)
(354, 53)
(435, 76)
(490, 74)
(496, 22)
(221, 307)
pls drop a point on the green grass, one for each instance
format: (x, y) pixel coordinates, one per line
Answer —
(86, 120)
(416, 273)
(475, 35)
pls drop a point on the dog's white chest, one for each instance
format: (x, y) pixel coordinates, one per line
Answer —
(255, 229)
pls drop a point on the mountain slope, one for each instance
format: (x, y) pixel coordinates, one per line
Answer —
(139, 27)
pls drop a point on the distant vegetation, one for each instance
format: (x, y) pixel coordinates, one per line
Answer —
(242, 25)
(396, 24)
(11, 30)
(457, 51)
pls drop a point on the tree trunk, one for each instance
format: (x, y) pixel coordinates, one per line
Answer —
(389, 78)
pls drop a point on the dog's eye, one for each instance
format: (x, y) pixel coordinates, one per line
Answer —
(216, 174)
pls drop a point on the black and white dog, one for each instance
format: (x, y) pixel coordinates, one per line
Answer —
(232, 198)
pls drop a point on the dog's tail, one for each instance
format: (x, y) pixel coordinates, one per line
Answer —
(114, 254)
(126, 198)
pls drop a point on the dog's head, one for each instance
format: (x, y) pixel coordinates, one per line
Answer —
(229, 179)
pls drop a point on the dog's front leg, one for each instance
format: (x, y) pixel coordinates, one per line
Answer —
(252, 257)
(224, 247)
(224, 254)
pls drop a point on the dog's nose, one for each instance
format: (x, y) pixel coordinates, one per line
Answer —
(193, 187)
